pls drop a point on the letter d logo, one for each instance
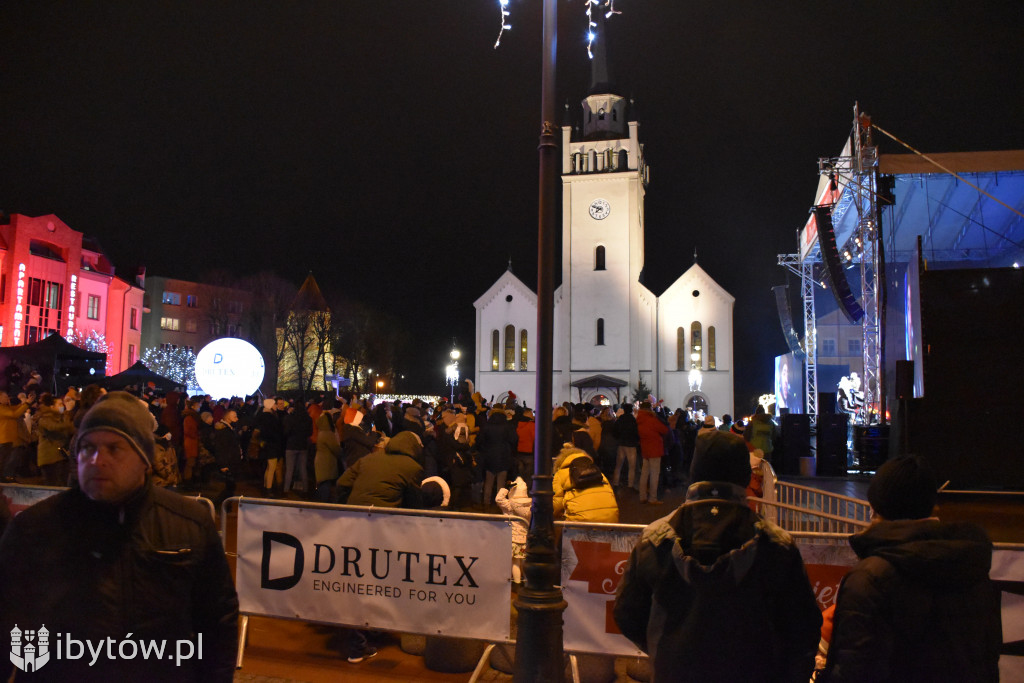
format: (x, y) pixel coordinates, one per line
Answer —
(280, 583)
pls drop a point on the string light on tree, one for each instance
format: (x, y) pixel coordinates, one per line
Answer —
(176, 363)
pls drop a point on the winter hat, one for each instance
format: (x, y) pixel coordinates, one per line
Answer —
(411, 413)
(720, 456)
(436, 492)
(123, 414)
(519, 489)
(737, 428)
(709, 421)
(904, 488)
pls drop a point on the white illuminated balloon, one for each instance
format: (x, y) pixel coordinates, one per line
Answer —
(229, 367)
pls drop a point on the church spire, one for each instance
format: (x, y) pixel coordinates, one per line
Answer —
(604, 110)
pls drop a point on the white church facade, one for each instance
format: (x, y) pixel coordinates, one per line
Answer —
(610, 332)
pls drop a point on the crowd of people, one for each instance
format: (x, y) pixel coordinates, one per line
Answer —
(919, 606)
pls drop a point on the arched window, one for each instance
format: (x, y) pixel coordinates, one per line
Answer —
(510, 347)
(695, 347)
(600, 331)
(599, 258)
(681, 363)
(711, 347)
(522, 349)
(494, 350)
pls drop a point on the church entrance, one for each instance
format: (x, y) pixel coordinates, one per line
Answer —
(697, 406)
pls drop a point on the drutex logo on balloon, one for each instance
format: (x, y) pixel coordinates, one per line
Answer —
(229, 367)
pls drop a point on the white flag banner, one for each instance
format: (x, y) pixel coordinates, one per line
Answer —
(435, 575)
(593, 562)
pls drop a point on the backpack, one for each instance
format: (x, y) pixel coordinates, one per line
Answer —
(584, 473)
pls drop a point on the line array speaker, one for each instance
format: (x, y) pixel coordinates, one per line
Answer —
(838, 283)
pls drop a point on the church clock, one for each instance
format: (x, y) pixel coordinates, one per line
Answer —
(599, 209)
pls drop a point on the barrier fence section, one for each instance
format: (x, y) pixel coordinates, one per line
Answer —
(420, 571)
(793, 501)
(21, 496)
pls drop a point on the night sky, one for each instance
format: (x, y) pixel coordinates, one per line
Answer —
(389, 149)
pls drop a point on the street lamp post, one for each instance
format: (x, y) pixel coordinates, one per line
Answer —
(539, 602)
(452, 372)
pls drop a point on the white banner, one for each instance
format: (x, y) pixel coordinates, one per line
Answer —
(432, 575)
(593, 562)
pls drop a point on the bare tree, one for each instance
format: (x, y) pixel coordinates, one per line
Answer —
(271, 298)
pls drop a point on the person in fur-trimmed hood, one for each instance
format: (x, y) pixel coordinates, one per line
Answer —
(713, 592)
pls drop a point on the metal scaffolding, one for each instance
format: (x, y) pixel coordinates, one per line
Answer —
(857, 174)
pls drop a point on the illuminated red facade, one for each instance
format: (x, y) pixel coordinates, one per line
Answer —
(55, 280)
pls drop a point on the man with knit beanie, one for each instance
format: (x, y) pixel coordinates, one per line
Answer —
(713, 592)
(120, 559)
(919, 606)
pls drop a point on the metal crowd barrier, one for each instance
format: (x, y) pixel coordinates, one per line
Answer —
(803, 508)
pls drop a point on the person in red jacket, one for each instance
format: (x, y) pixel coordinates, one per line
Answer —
(526, 428)
(652, 448)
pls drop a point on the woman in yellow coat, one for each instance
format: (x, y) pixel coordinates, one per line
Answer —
(595, 503)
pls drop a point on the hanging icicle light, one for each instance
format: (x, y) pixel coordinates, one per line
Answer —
(505, 26)
(590, 6)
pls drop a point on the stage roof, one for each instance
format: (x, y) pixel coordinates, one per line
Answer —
(956, 222)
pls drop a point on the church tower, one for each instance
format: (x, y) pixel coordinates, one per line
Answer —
(602, 322)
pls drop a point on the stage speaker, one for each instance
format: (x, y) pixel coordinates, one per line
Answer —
(786, 319)
(796, 442)
(870, 446)
(904, 379)
(826, 402)
(834, 271)
(831, 443)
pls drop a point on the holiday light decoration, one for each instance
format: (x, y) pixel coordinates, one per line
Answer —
(505, 26)
(96, 342)
(590, 5)
(175, 363)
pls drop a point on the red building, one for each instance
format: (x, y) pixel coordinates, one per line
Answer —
(55, 280)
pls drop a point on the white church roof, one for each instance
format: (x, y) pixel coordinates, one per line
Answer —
(507, 279)
(697, 278)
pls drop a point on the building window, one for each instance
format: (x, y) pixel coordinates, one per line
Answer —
(235, 307)
(169, 324)
(681, 349)
(600, 331)
(234, 330)
(510, 347)
(712, 365)
(599, 258)
(494, 349)
(828, 347)
(522, 349)
(172, 298)
(191, 301)
(855, 347)
(132, 355)
(214, 328)
(695, 347)
(43, 313)
(93, 310)
(134, 319)
(190, 325)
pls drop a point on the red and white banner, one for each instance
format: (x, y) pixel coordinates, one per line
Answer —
(594, 559)
(20, 496)
(438, 575)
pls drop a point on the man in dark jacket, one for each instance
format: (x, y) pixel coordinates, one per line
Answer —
(118, 560)
(628, 437)
(919, 606)
(389, 477)
(713, 592)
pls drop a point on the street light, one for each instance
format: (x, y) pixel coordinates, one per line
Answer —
(451, 373)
